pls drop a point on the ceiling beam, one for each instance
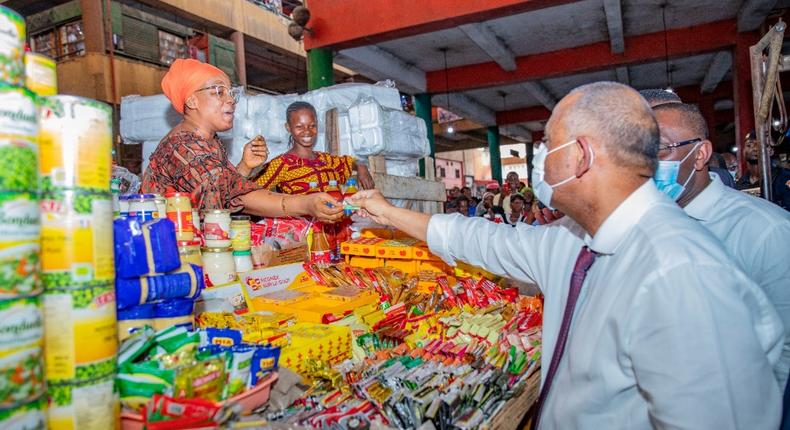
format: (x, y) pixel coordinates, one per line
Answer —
(718, 67)
(753, 13)
(375, 62)
(517, 116)
(597, 56)
(622, 75)
(614, 20)
(488, 42)
(350, 23)
(541, 94)
(466, 107)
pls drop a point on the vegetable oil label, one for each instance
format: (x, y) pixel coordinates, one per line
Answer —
(18, 110)
(75, 144)
(28, 416)
(12, 47)
(89, 405)
(80, 334)
(18, 164)
(76, 239)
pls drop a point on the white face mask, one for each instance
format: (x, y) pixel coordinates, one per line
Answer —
(666, 176)
(544, 190)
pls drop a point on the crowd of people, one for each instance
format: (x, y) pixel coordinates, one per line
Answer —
(513, 204)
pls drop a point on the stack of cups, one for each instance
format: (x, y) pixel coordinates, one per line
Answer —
(22, 388)
(75, 140)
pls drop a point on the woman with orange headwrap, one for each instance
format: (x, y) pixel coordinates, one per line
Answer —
(191, 157)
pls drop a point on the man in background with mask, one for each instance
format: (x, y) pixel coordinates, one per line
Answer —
(647, 322)
(755, 232)
(752, 177)
(732, 164)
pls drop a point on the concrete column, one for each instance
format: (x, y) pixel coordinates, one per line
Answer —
(493, 149)
(742, 86)
(241, 59)
(423, 108)
(93, 25)
(319, 68)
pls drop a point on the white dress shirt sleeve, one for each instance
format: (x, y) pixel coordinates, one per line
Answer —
(522, 253)
(684, 363)
(770, 268)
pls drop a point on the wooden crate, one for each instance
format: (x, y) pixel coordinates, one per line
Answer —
(510, 416)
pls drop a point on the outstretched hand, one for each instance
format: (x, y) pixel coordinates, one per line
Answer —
(373, 205)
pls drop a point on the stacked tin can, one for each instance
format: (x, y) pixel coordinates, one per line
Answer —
(22, 387)
(77, 267)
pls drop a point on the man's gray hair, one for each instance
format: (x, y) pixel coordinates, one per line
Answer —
(616, 115)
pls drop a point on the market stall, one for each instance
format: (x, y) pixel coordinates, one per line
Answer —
(136, 310)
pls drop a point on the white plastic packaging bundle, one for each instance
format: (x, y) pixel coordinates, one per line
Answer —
(407, 167)
(394, 134)
(147, 118)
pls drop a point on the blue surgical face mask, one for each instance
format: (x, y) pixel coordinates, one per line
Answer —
(666, 176)
(543, 190)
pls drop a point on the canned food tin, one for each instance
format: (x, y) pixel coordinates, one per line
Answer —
(18, 161)
(88, 405)
(24, 417)
(41, 75)
(19, 245)
(19, 217)
(21, 355)
(75, 140)
(12, 47)
(80, 333)
(76, 239)
(18, 111)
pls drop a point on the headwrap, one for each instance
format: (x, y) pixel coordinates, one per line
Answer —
(492, 186)
(487, 194)
(184, 78)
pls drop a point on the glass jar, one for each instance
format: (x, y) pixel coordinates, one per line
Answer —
(190, 252)
(240, 232)
(143, 207)
(195, 220)
(243, 260)
(161, 205)
(179, 210)
(218, 266)
(216, 228)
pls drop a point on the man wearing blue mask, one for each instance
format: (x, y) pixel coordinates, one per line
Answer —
(754, 231)
(647, 321)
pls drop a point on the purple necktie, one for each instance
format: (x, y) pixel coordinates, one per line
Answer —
(583, 263)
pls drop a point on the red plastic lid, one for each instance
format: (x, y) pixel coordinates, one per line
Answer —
(175, 194)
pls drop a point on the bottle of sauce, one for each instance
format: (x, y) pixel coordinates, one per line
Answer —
(331, 229)
(179, 210)
(320, 249)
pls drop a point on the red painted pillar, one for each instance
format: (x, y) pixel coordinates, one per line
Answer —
(708, 112)
(742, 86)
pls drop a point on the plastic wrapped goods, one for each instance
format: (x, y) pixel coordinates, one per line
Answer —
(145, 249)
(187, 283)
(376, 130)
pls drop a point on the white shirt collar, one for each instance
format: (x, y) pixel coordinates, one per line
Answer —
(619, 222)
(702, 207)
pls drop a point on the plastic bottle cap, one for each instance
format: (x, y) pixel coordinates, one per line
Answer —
(247, 252)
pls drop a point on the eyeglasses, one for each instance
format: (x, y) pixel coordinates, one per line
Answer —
(223, 92)
(676, 145)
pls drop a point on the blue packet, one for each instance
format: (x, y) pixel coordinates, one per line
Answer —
(187, 283)
(265, 360)
(225, 337)
(144, 248)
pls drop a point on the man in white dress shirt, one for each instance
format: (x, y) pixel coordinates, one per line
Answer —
(667, 332)
(754, 231)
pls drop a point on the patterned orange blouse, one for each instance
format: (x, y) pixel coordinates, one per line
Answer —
(291, 174)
